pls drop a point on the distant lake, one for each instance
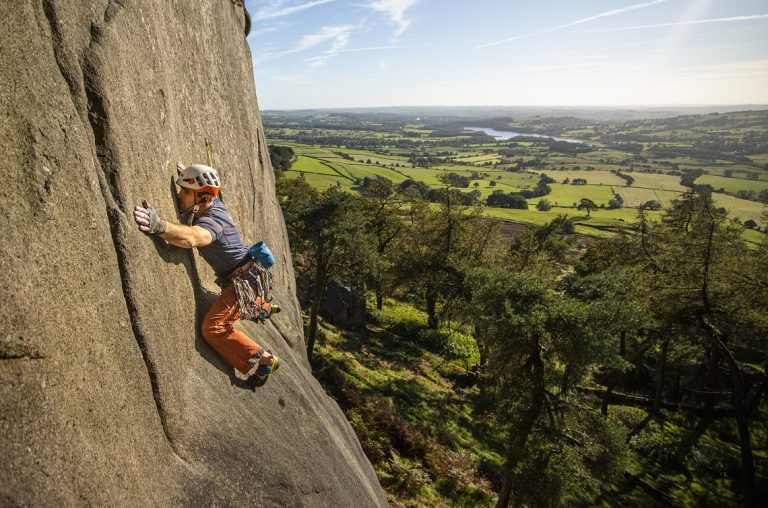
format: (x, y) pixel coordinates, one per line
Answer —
(505, 135)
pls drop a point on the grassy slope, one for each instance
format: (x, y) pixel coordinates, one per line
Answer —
(411, 411)
(411, 407)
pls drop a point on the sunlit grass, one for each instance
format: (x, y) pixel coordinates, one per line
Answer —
(311, 165)
(398, 389)
(570, 195)
(740, 208)
(592, 177)
(732, 185)
(657, 181)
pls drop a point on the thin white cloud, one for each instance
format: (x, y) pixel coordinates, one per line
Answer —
(339, 42)
(690, 22)
(317, 61)
(395, 9)
(517, 37)
(613, 12)
(279, 9)
(580, 21)
(337, 35)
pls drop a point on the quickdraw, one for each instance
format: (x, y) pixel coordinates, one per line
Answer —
(253, 288)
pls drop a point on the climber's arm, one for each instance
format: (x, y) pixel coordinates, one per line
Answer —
(179, 235)
(186, 237)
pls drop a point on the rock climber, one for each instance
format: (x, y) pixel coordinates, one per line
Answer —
(216, 236)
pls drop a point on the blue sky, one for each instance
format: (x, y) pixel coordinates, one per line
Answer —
(367, 53)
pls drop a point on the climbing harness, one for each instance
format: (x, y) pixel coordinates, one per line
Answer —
(253, 284)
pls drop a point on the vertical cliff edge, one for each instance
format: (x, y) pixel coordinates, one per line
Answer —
(108, 394)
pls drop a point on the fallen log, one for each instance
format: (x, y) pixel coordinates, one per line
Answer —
(627, 399)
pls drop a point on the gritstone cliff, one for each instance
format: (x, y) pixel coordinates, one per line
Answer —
(108, 394)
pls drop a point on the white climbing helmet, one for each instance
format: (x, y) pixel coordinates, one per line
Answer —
(200, 178)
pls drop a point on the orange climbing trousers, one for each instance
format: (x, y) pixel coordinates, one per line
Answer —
(218, 330)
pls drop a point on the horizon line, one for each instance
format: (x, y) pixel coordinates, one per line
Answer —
(568, 106)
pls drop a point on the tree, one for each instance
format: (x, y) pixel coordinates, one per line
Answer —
(527, 325)
(454, 179)
(282, 157)
(544, 179)
(499, 199)
(327, 229)
(383, 203)
(689, 176)
(512, 332)
(543, 205)
(699, 261)
(436, 250)
(586, 204)
(622, 294)
(651, 205)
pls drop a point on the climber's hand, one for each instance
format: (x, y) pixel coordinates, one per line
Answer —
(180, 167)
(148, 219)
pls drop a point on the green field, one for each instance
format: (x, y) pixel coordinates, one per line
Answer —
(605, 154)
(570, 195)
(732, 185)
(592, 177)
(321, 181)
(514, 179)
(657, 181)
(666, 197)
(477, 159)
(598, 223)
(428, 176)
(635, 196)
(357, 170)
(760, 158)
(363, 156)
(741, 208)
(323, 168)
(312, 165)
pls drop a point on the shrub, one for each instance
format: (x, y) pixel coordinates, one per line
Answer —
(451, 344)
(714, 461)
(458, 346)
(409, 478)
(455, 470)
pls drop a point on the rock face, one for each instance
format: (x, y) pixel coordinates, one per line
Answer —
(343, 306)
(108, 394)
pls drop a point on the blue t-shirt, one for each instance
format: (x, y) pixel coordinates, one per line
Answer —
(227, 249)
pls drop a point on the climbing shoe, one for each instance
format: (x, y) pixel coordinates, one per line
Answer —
(263, 372)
